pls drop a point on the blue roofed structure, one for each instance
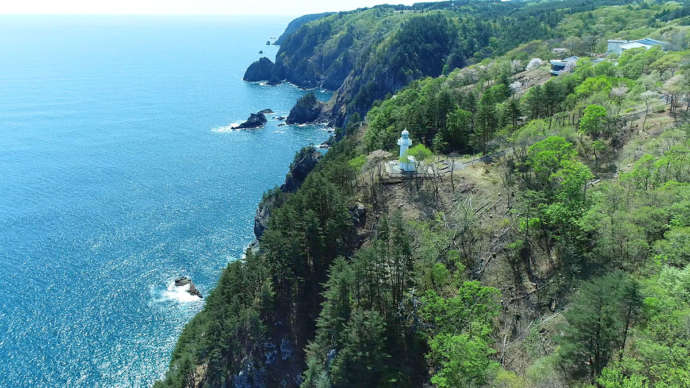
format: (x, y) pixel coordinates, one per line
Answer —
(560, 66)
(618, 46)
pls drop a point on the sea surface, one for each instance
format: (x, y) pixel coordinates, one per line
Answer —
(118, 173)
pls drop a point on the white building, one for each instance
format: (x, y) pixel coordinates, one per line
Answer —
(407, 163)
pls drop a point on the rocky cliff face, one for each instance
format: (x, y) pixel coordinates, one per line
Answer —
(366, 54)
(303, 164)
(299, 22)
(362, 63)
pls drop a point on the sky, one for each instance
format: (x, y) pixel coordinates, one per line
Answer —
(182, 7)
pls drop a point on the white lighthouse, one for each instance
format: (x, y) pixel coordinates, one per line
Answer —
(406, 162)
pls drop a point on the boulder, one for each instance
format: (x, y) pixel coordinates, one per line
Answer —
(266, 111)
(255, 120)
(183, 281)
(194, 291)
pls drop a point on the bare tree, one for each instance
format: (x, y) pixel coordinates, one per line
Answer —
(647, 97)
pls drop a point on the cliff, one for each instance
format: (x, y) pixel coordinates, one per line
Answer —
(302, 165)
(294, 25)
(490, 270)
(367, 54)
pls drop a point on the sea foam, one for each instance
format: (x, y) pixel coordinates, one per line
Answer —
(179, 294)
(227, 128)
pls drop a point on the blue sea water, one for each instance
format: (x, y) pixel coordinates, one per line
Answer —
(118, 174)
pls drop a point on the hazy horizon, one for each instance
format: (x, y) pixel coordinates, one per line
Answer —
(179, 7)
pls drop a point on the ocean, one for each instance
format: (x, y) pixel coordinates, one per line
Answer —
(118, 173)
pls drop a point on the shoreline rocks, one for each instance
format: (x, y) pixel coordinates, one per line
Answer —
(255, 120)
(304, 162)
(183, 281)
(262, 70)
(307, 110)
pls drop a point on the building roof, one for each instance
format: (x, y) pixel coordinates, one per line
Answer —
(634, 45)
(651, 42)
(564, 61)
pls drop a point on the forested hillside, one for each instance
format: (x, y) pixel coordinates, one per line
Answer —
(544, 240)
(366, 54)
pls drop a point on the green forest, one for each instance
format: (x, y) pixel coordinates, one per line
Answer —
(544, 240)
(366, 54)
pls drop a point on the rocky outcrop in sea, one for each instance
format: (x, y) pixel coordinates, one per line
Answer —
(262, 70)
(183, 281)
(307, 110)
(255, 120)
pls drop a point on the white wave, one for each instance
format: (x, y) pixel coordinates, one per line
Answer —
(227, 128)
(179, 294)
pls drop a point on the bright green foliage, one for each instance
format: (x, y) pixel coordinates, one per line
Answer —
(419, 152)
(546, 157)
(593, 121)
(645, 216)
(460, 334)
(613, 378)
(462, 360)
(358, 162)
(601, 84)
(637, 61)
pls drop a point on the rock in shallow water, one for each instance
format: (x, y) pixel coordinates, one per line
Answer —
(183, 281)
(255, 120)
